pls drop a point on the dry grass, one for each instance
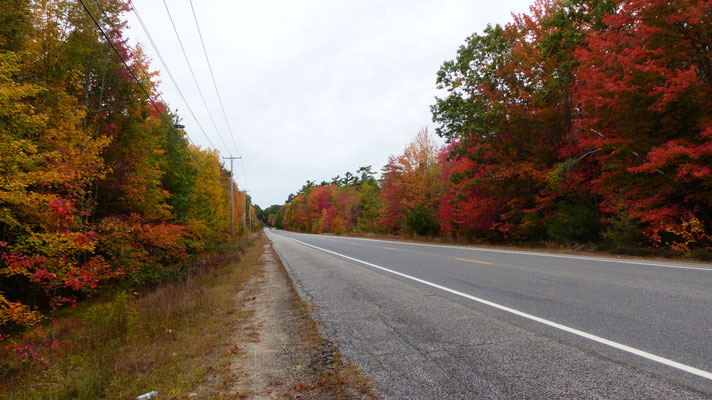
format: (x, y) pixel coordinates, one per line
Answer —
(177, 340)
(128, 344)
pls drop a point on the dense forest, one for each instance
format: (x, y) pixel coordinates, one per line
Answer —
(98, 184)
(583, 121)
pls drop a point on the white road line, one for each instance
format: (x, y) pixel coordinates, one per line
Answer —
(533, 253)
(619, 346)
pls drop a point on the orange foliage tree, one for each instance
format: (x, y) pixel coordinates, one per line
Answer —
(412, 181)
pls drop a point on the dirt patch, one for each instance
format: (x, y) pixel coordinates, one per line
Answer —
(269, 363)
(277, 351)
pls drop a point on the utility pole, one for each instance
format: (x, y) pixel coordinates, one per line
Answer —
(232, 197)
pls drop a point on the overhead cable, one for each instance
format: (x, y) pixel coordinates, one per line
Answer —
(170, 75)
(148, 96)
(217, 92)
(192, 73)
(212, 76)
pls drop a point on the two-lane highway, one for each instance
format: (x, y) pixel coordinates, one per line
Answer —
(429, 321)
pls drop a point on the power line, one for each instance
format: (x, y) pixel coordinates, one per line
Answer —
(212, 76)
(170, 75)
(165, 67)
(150, 99)
(145, 74)
(217, 92)
(192, 73)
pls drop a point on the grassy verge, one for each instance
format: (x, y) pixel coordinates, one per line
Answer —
(126, 344)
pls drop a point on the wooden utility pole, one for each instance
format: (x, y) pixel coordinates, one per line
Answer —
(232, 197)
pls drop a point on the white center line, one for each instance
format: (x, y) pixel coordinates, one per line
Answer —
(616, 345)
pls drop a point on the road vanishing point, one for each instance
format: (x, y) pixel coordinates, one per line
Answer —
(454, 322)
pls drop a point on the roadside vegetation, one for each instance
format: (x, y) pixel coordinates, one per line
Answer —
(126, 343)
(581, 124)
(102, 195)
(182, 339)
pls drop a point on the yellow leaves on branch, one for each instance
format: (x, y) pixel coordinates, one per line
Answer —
(17, 312)
(690, 234)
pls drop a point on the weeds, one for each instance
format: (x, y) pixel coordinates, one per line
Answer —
(127, 343)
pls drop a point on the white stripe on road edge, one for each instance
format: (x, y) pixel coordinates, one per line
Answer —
(534, 253)
(619, 346)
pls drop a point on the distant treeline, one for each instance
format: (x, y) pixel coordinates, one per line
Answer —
(95, 186)
(579, 122)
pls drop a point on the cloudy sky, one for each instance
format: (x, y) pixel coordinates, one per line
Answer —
(311, 88)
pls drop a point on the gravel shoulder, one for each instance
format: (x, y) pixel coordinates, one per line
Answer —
(276, 351)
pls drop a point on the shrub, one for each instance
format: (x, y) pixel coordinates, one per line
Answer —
(421, 221)
(574, 221)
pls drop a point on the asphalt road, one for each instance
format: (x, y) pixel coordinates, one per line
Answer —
(434, 322)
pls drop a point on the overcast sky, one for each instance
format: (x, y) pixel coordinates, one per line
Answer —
(311, 89)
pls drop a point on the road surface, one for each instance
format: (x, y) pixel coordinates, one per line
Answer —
(429, 321)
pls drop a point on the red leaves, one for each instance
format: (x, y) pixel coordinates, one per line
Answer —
(645, 84)
(323, 209)
(42, 274)
(17, 263)
(59, 301)
(135, 246)
(85, 240)
(578, 122)
(30, 352)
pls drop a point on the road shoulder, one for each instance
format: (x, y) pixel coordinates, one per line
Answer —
(276, 350)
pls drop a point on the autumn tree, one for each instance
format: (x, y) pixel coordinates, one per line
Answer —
(369, 205)
(96, 186)
(579, 121)
(645, 89)
(509, 118)
(337, 206)
(411, 180)
(47, 164)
